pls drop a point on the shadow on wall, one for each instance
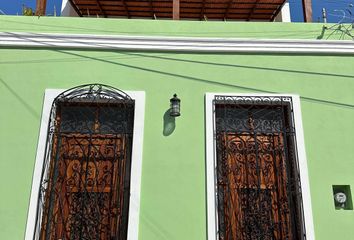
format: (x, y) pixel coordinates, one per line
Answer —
(22, 100)
(169, 123)
(206, 81)
(196, 79)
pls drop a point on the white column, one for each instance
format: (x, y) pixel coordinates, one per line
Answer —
(67, 10)
(284, 14)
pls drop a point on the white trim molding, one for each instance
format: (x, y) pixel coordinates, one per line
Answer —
(212, 221)
(136, 161)
(175, 44)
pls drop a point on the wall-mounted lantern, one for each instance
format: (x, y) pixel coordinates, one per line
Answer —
(175, 104)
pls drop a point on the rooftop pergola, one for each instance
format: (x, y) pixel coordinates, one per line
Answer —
(229, 10)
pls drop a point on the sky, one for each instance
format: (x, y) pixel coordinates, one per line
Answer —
(14, 7)
(334, 9)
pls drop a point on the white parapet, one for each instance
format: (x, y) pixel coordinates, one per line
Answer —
(67, 10)
(284, 14)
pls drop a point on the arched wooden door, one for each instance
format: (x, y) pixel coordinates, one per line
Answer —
(86, 195)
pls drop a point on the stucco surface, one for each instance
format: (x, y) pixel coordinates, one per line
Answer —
(173, 202)
(75, 25)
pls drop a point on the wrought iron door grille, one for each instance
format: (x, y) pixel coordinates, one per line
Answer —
(258, 182)
(86, 176)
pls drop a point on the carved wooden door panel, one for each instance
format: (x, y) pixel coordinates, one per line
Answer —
(258, 192)
(256, 207)
(88, 192)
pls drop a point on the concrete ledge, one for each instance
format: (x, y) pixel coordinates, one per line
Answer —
(174, 44)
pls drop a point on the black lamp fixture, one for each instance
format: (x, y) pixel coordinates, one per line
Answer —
(175, 103)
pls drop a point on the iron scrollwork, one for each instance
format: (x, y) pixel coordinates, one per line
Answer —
(86, 174)
(258, 186)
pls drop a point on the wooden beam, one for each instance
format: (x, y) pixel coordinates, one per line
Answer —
(252, 10)
(228, 8)
(152, 10)
(175, 10)
(101, 9)
(276, 12)
(40, 7)
(77, 10)
(126, 8)
(201, 17)
(307, 10)
(184, 4)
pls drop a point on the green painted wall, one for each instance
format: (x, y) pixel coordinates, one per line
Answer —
(173, 204)
(168, 28)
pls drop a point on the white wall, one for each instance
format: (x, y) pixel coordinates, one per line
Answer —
(67, 10)
(284, 14)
